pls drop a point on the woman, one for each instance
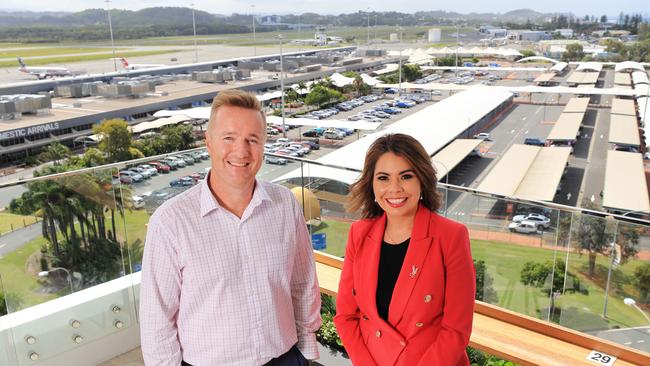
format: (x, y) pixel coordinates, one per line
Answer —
(406, 294)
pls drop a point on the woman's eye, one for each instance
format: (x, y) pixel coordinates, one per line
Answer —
(407, 176)
(383, 177)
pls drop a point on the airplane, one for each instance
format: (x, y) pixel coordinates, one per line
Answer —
(128, 66)
(43, 72)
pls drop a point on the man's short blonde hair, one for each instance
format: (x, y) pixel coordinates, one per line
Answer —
(235, 98)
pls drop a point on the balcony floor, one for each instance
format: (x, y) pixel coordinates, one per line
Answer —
(134, 358)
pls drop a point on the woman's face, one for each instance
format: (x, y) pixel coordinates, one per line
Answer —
(395, 185)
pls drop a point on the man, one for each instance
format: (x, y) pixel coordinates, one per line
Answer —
(228, 275)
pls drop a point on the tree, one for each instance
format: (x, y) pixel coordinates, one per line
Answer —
(55, 152)
(592, 235)
(527, 53)
(92, 157)
(538, 274)
(603, 19)
(411, 72)
(642, 282)
(115, 139)
(484, 289)
(574, 52)
(320, 95)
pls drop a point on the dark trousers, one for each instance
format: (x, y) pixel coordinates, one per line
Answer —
(293, 357)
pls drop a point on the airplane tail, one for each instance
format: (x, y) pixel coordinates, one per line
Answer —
(21, 62)
(125, 63)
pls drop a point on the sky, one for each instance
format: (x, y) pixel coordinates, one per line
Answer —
(578, 7)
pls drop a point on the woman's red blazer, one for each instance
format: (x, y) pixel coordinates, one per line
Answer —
(432, 307)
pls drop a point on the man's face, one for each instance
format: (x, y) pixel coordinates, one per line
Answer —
(236, 145)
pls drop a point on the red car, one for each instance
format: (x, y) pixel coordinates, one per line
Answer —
(160, 167)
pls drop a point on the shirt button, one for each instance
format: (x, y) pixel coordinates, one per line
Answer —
(402, 343)
(418, 324)
(354, 292)
(427, 298)
(378, 334)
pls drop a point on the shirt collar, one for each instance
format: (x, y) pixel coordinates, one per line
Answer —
(209, 203)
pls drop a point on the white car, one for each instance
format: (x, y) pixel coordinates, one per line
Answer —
(138, 202)
(542, 221)
(332, 135)
(482, 136)
(524, 227)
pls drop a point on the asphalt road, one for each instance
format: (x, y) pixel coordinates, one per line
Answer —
(638, 338)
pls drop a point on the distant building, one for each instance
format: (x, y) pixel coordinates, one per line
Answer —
(528, 35)
(434, 35)
(493, 31)
(270, 19)
(393, 37)
(566, 33)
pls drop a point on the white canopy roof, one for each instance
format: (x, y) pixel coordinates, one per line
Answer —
(476, 51)
(590, 66)
(386, 70)
(340, 80)
(625, 182)
(370, 80)
(628, 66)
(158, 123)
(639, 77)
(434, 126)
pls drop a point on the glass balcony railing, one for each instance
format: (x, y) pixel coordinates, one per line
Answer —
(71, 248)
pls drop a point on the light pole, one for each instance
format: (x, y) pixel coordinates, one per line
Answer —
(47, 273)
(611, 262)
(254, 38)
(196, 49)
(457, 45)
(368, 14)
(399, 29)
(630, 302)
(284, 131)
(110, 28)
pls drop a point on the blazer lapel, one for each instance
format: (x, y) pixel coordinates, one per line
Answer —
(373, 240)
(412, 267)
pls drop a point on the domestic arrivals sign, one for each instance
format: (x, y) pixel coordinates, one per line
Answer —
(29, 131)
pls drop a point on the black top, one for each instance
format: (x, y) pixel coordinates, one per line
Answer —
(391, 259)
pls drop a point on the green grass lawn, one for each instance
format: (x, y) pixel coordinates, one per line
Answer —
(10, 221)
(81, 58)
(18, 282)
(336, 234)
(579, 311)
(49, 51)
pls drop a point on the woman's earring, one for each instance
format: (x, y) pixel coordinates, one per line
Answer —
(420, 196)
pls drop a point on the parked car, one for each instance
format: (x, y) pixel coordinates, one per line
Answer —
(483, 136)
(172, 164)
(180, 163)
(391, 110)
(534, 141)
(137, 202)
(272, 131)
(311, 133)
(312, 144)
(275, 160)
(542, 221)
(182, 182)
(144, 173)
(334, 135)
(391, 91)
(135, 177)
(160, 167)
(370, 118)
(354, 118)
(381, 114)
(152, 170)
(524, 227)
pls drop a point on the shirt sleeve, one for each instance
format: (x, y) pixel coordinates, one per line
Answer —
(305, 291)
(159, 298)
(458, 310)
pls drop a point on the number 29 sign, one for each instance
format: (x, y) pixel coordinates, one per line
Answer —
(601, 358)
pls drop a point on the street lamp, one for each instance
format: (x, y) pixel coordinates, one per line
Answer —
(284, 130)
(368, 14)
(47, 273)
(196, 49)
(110, 28)
(254, 39)
(630, 302)
(457, 45)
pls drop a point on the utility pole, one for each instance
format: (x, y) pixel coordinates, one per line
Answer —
(284, 128)
(457, 45)
(196, 49)
(110, 28)
(254, 38)
(368, 13)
